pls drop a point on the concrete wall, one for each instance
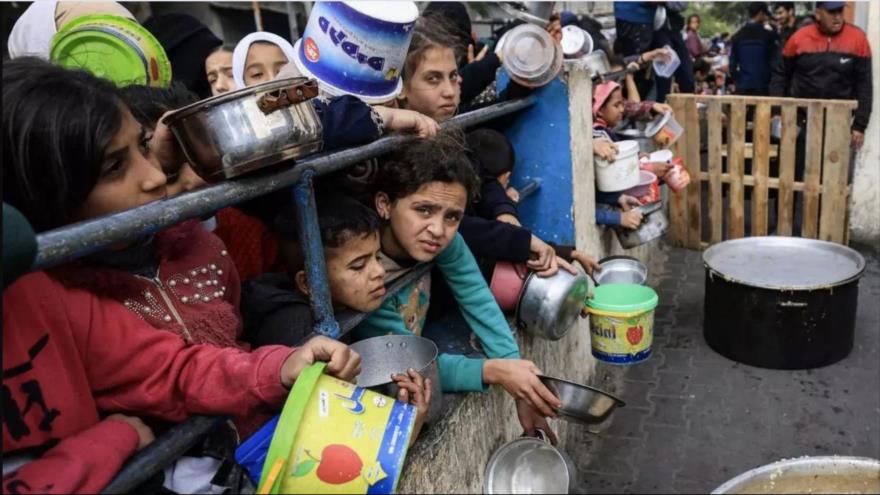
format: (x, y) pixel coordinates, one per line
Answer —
(865, 200)
(450, 456)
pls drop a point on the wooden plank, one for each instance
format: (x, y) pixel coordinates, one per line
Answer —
(678, 201)
(748, 180)
(716, 201)
(748, 151)
(772, 100)
(693, 162)
(813, 169)
(760, 168)
(735, 143)
(787, 146)
(835, 169)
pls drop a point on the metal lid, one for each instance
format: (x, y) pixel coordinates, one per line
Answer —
(231, 96)
(531, 56)
(575, 41)
(788, 263)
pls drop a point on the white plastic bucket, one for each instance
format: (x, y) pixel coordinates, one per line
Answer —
(357, 48)
(623, 172)
(665, 68)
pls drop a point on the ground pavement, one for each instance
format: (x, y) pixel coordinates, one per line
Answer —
(695, 419)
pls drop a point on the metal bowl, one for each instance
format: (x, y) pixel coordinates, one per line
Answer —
(581, 403)
(252, 128)
(819, 474)
(549, 306)
(388, 354)
(621, 270)
(529, 465)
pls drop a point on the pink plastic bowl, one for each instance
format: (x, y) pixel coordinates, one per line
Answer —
(645, 180)
(507, 283)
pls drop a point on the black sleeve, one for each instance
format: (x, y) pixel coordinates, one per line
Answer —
(864, 93)
(494, 239)
(494, 200)
(477, 76)
(289, 326)
(782, 72)
(346, 121)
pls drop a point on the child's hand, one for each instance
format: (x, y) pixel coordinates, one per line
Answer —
(631, 219)
(542, 258)
(145, 434)
(519, 377)
(342, 362)
(531, 420)
(513, 194)
(660, 169)
(399, 119)
(554, 28)
(588, 262)
(627, 202)
(661, 108)
(471, 58)
(414, 390)
(508, 218)
(605, 149)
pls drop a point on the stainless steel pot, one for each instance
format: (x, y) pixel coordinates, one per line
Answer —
(537, 13)
(646, 144)
(597, 62)
(621, 270)
(581, 403)
(654, 224)
(245, 130)
(549, 306)
(382, 356)
(817, 474)
(529, 465)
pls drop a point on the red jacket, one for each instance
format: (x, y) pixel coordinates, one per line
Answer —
(195, 293)
(68, 353)
(252, 246)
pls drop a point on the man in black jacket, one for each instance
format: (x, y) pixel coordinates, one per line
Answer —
(753, 53)
(828, 59)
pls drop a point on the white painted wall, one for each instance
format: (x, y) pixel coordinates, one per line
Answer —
(865, 200)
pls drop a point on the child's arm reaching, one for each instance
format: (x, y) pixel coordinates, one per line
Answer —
(414, 390)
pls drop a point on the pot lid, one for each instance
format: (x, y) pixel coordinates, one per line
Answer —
(623, 298)
(788, 263)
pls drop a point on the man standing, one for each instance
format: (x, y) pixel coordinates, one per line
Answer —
(828, 59)
(754, 53)
(786, 23)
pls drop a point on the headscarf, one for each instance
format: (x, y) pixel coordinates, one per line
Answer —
(187, 42)
(239, 55)
(32, 34)
(602, 93)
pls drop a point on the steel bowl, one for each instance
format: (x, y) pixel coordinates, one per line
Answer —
(249, 129)
(549, 306)
(654, 225)
(393, 354)
(819, 474)
(621, 270)
(581, 403)
(529, 465)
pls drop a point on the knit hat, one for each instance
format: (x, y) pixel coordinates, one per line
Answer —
(187, 42)
(239, 55)
(567, 18)
(601, 94)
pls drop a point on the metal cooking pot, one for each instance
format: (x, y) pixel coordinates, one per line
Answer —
(581, 403)
(252, 128)
(646, 143)
(531, 57)
(597, 62)
(549, 306)
(529, 465)
(654, 224)
(621, 270)
(381, 356)
(862, 472)
(537, 13)
(781, 302)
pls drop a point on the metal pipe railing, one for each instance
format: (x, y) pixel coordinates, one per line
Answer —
(80, 239)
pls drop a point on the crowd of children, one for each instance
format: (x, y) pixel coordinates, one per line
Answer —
(212, 316)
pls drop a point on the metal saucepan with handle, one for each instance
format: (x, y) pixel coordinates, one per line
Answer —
(529, 465)
(249, 129)
(654, 224)
(549, 306)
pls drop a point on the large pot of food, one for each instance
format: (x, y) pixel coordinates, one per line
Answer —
(387, 354)
(823, 474)
(781, 302)
(252, 128)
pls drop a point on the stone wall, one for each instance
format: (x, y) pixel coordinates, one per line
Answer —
(450, 456)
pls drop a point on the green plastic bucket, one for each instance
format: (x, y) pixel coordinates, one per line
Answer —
(113, 48)
(622, 322)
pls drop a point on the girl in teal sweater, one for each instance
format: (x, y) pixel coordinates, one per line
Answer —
(423, 190)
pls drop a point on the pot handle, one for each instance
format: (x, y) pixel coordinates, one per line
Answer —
(284, 97)
(792, 304)
(541, 435)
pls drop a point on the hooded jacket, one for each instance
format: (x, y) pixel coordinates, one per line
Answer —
(275, 311)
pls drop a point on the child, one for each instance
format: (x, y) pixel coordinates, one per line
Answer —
(258, 58)
(276, 308)
(218, 67)
(423, 191)
(83, 338)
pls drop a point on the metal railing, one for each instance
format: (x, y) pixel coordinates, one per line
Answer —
(78, 240)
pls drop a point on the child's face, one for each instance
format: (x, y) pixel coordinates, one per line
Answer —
(128, 178)
(357, 279)
(264, 61)
(422, 224)
(612, 111)
(434, 89)
(218, 66)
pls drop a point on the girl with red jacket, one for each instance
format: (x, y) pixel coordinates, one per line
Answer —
(81, 340)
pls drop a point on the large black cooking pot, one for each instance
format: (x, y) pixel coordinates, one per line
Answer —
(781, 302)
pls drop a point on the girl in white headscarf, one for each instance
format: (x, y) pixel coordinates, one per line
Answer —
(258, 58)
